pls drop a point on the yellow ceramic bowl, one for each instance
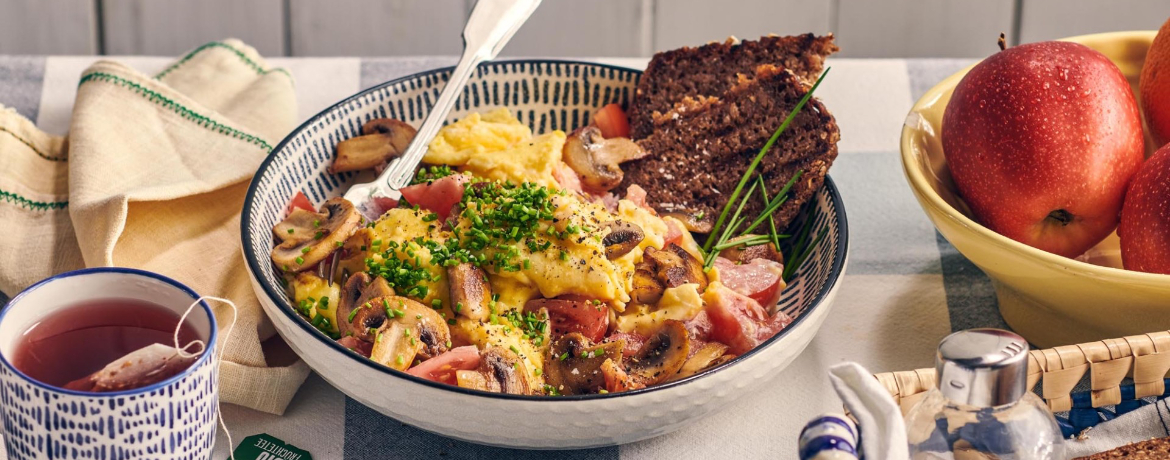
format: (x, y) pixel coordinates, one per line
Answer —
(1049, 299)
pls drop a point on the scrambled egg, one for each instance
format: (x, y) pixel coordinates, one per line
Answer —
(678, 303)
(497, 146)
(402, 226)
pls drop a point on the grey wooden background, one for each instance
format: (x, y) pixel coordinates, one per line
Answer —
(864, 28)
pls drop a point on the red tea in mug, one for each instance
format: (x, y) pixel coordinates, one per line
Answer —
(82, 339)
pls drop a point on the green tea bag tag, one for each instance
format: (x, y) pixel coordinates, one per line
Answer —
(268, 447)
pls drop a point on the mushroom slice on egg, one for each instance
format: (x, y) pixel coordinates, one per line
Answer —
(470, 291)
(663, 355)
(420, 331)
(692, 222)
(308, 237)
(675, 267)
(622, 238)
(358, 290)
(743, 255)
(573, 363)
(702, 359)
(597, 160)
(647, 288)
(381, 140)
(500, 371)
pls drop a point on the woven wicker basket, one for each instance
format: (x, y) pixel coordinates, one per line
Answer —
(1145, 358)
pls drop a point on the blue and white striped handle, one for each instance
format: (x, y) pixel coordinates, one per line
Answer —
(829, 437)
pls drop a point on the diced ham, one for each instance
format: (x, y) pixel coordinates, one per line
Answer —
(567, 178)
(637, 195)
(573, 313)
(442, 368)
(760, 279)
(634, 342)
(616, 378)
(674, 233)
(608, 200)
(437, 196)
(361, 347)
(699, 327)
(738, 321)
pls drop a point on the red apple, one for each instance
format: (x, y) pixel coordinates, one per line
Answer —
(1145, 218)
(1042, 140)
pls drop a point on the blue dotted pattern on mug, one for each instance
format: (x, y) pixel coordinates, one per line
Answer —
(829, 437)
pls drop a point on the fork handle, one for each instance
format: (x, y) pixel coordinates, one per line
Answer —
(491, 24)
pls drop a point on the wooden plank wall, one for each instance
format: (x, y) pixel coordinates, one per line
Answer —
(570, 28)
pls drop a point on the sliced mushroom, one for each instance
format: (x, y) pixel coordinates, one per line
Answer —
(470, 291)
(701, 360)
(573, 363)
(597, 160)
(422, 333)
(499, 371)
(674, 266)
(381, 140)
(307, 237)
(743, 255)
(358, 290)
(662, 356)
(692, 221)
(622, 238)
(647, 288)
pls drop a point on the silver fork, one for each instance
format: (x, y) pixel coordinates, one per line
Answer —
(491, 25)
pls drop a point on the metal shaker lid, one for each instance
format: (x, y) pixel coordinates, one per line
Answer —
(982, 367)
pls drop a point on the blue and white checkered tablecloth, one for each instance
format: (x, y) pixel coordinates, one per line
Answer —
(906, 287)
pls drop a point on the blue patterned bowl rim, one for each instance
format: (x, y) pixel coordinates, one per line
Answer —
(254, 262)
(211, 339)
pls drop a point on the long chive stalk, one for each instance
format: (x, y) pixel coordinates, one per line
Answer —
(747, 175)
(771, 222)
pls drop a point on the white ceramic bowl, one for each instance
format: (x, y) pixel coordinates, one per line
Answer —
(171, 419)
(546, 95)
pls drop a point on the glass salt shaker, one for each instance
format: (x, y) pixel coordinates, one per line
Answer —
(981, 407)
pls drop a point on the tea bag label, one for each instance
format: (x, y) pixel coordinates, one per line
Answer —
(268, 447)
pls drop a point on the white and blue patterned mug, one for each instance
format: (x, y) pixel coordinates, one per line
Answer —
(172, 419)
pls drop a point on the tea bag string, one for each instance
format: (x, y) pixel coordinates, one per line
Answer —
(182, 351)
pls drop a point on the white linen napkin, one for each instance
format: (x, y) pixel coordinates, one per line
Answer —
(883, 431)
(152, 175)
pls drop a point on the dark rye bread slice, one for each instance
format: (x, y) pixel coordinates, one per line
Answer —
(699, 151)
(1152, 449)
(710, 70)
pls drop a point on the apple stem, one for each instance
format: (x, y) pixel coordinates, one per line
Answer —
(1002, 41)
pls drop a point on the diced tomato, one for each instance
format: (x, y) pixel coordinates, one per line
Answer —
(634, 342)
(612, 121)
(566, 177)
(352, 343)
(674, 233)
(738, 321)
(437, 196)
(760, 279)
(574, 314)
(299, 201)
(442, 368)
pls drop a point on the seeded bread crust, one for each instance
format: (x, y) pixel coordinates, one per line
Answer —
(712, 69)
(1153, 449)
(701, 148)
